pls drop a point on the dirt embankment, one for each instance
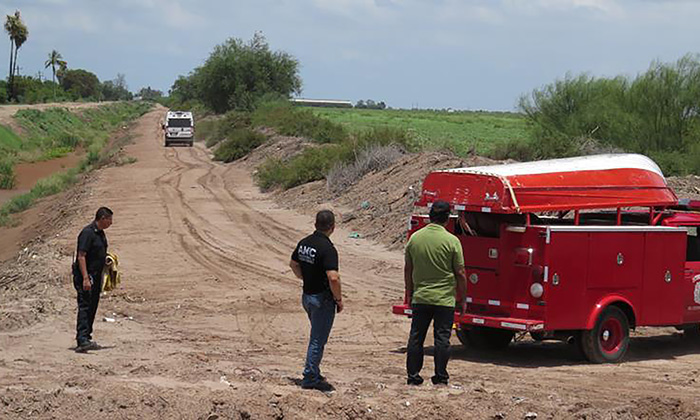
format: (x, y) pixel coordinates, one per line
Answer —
(208, 322)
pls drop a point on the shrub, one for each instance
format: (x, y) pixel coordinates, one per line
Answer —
(290, 121)
(375, 157)
(311, 165)
(240, 143)
(7, 173)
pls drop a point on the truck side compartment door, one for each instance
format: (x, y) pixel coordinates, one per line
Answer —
(664, 282)
(567, 264)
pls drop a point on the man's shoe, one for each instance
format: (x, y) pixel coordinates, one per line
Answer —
(437, 381)
(85, 346)
(322, 386)
(416, 380)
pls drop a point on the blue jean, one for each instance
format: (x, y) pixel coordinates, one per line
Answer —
(321, 311)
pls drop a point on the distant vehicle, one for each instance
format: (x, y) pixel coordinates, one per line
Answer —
(179, 128)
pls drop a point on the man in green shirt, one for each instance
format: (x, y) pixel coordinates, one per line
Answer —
(434, 274)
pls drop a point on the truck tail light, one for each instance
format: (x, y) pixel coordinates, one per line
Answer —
(523, 256)
(536, 290)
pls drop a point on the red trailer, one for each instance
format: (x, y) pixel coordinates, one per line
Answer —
(580, 249)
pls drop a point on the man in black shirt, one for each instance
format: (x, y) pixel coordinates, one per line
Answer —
(315, 261)
(87, 275)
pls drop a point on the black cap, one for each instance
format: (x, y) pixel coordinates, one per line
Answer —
(440, 211)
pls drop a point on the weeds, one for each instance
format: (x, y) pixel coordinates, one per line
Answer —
(7, 173)
(290, 121)
(43, 188)
(375, 157)
(240, 143)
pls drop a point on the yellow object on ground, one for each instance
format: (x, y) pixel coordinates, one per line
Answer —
(111, 277)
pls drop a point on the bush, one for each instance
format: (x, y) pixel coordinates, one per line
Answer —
(290, 121)
(375, 157)
(311, 165)
(349, 158)
(240, 143)
(7, 173)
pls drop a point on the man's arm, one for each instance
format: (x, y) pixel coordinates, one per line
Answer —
(408, 279)
(296, 268)
(82, 263)
(461, 277)
(334, 283)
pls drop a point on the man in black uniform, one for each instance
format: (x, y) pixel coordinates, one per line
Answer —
(315, 261)
(87, 275)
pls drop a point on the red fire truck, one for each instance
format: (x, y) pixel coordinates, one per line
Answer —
(580, 249)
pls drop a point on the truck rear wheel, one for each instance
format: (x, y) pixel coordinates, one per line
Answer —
(490, 338)
(609, 339)
(691, 332)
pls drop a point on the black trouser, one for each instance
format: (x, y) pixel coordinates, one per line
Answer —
(443, 318)
(87, 306)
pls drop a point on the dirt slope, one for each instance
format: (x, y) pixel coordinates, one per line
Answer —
(209, 323)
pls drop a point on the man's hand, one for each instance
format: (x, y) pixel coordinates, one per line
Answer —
(87, 284)
(339, 306)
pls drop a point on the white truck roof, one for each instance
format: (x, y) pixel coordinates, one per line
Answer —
(179, 114)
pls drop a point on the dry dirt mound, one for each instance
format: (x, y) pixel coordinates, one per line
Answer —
(685, 186)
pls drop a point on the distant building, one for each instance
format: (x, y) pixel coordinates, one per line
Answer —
(328, 103)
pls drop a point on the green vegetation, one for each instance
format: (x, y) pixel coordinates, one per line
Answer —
(336, 147)
(7, 173)
(43, 188)
(239, 143)
(288, 120)
(460, 132)
(315, 163)
(237, 75)
(657, 114)
(55, 132)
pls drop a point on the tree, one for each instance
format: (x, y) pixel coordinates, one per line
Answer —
(238, 74)
(149, 94)
(55, 59)
(116, 90)
(80, 83)
(18, 33)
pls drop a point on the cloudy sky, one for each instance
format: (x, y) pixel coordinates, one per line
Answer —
(465, 54)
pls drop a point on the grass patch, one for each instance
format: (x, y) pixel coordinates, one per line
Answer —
(289, 120)
(7, 173)
(213, 131)
(57, 131)
(316, 162)
(240, 143)
(461, 132)
(9, 140)
(43, 188)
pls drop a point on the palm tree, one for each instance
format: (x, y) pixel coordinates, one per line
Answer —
(55, 59)
(18, 33)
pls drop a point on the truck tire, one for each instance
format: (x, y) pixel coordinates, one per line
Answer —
(691, 332)
(490, 338)
(609, 339)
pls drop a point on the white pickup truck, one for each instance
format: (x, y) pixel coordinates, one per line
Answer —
(179, 128)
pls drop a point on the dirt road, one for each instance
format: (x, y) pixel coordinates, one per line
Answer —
(208, 322)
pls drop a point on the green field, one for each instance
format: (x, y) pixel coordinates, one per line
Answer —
(460, 132)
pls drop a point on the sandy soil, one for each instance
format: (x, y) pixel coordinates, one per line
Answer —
(208, 321)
